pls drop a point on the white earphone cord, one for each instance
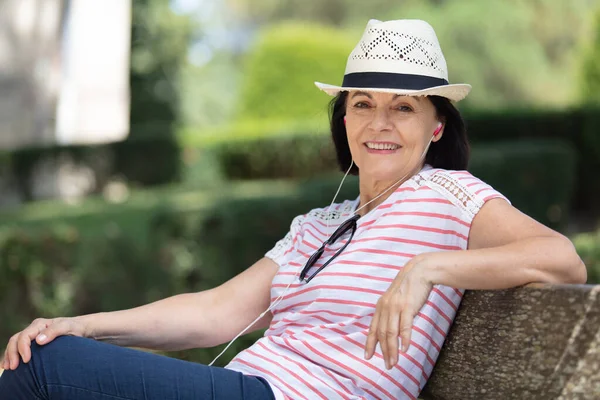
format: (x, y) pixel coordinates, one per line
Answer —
(278, 299)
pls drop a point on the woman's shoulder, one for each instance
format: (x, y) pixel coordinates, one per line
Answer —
(451, 174)
(457, 180)
(461, 187)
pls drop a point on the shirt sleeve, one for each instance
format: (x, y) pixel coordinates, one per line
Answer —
(481, 191)
(285, 248)
(466, 191)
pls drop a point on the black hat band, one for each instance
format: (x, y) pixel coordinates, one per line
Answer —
(387, 80)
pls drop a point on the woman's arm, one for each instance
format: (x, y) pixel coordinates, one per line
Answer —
(191, 320)
(184, 321)
(506, 249)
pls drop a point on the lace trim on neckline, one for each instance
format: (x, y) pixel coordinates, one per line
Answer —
(349, 206)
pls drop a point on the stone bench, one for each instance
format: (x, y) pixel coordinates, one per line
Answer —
(534, 342)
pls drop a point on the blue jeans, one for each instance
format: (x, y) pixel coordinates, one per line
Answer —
(76, 368)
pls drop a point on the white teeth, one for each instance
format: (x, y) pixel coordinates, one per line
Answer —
(382, 146)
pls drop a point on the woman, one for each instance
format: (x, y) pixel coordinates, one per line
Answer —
(359, 296)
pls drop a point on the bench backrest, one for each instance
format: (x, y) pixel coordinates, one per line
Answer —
(534, 342)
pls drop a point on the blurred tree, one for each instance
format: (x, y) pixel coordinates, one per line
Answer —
(259, 12)
(210, 92)
(281, 68)
(590, 70)
(159, 46)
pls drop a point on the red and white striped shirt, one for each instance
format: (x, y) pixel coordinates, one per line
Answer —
(314, 347)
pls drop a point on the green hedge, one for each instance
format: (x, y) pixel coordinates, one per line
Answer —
(60, 270)
(140, 162)
(580, 127)
(287, 156)
(537, 176)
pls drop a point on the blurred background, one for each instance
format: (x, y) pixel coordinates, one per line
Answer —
(154, 147)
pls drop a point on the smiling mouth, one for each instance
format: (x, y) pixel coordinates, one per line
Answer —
(382, 146)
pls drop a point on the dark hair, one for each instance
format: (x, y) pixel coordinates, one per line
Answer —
(450, 152)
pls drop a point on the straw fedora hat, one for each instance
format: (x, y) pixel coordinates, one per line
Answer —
(402, 57)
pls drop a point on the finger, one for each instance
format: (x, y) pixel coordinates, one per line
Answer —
(5, 360)
(382, 332)
(29, 334)
(12, 352)
(372, 336)
(406, 324)
(392, 333)
(24, 347)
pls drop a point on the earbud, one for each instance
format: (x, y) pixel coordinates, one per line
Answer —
(344, 120)
(438, 130)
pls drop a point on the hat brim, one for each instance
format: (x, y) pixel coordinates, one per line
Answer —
(454, 92)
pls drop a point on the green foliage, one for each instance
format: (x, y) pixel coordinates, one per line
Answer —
(158, 49)
(289, 156)
(249, 129)
(330, 12)
(129, 160)
(209, 94)
(590, 74)
(579, 127)
(159, 46)
(588, 248)
(283, 65)
(536, 175)
(147, 162)
(63, 270)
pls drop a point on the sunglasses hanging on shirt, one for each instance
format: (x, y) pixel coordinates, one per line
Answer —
(348, 225)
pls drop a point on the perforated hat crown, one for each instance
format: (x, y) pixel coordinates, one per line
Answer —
(403, 57)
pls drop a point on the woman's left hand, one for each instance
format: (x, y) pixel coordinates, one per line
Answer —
(397, 308)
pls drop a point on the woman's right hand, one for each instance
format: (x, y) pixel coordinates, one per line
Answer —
(43, 331)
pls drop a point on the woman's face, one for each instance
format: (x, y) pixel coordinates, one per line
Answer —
(388, 133)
